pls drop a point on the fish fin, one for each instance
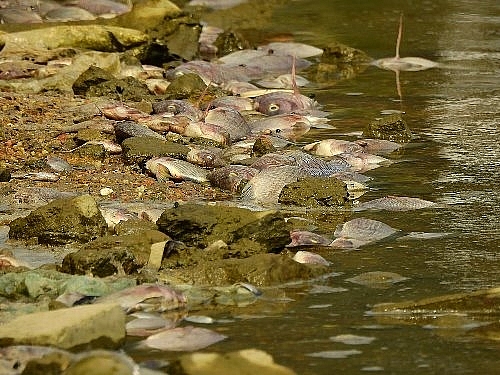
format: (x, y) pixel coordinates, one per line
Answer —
(295, 88)
(162, 173)
(400, 34)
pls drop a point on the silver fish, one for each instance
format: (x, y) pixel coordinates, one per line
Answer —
(183, 339)
(230, 120)
(308, 257)
(301, 50)
(395, 203)
(364, 229)
(58, 164)
(166, 168)
(231, 177)
(69, 13)
(235, 102)
(377, 279)
(283, 81)
(332, 147)
(266, 186)
(160, 297)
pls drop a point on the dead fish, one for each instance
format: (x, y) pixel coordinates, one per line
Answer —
(377, 279)
(36, 176)
(219, 74)
(237, 103)
(187, 338)
(273, 159)
(19, 15)
(127, 129)
(58, 164)
(362, 229)
(230, 120)
(281, 102)
(377, 146)
(102, 7)
(265, 187)
(306, 238)
(238, 87)
(167, 168)
(9, 261)
(272, 64)
(144, 296)
(307, 257)
(332, 147)
(207, 157)
(301, 50)
(68, 13)
(178, 108)
(398, 63)
(114, 216)
(146, 324)
(109, 146)
(122, 112)
(283, 81)
(201, 130)
(231, 177)
(288, 125)
(362, 162)
(352, 176)
(395, 203)
(310, 165)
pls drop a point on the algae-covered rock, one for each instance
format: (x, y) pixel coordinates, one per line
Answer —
(62, 221)
(100, 325)
(242, 362)
(258, 270)
(136, 149)
(110, 255)
(185, 86)
(35, 284)
(315, 192)
(199, 226)
(98, 82)
(103, 362)
(92, 37)
(391, 128)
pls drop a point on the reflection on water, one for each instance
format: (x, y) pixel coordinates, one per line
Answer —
(453, 160)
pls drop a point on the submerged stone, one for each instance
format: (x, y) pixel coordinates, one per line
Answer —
(138, 149)
(62, 221)
(392, 128)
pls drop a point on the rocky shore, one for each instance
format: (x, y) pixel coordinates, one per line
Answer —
(151, 167)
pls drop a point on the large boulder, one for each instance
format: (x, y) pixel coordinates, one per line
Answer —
(198, 225)
(99, 325)
(62, 221)
(111, 255)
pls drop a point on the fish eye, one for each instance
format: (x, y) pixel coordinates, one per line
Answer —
(172, 108)
(273, 107)
(278, 130)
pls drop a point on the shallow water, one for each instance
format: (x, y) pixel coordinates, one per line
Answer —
(453, 160)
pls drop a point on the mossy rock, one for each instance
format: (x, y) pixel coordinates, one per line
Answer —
(314, 192)
(391, 128)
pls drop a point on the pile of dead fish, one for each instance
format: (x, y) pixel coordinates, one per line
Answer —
(32, 11)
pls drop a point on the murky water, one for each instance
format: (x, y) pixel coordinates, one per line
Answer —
(453, 160)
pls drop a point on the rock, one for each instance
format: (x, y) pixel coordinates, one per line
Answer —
(183, 42)
(103, 362)
(137, 149)
(62, 221)
(35, 284)
(314, 192)
(92, 37)
(100, 325)
(198, 225)
(242, 362)
(391, 128)
(259, 270)
(4, 174)
(185, 86)
(110, 255)
(230, 41)
(91, 77)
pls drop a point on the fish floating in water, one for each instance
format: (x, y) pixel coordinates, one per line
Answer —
(395, 203)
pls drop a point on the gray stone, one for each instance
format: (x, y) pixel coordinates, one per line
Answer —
(101, 325)
(62, 221)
